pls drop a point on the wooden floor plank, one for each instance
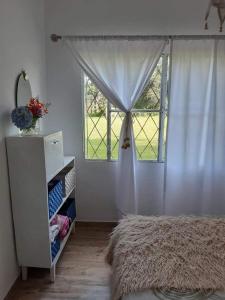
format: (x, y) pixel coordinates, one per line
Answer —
(81, 272)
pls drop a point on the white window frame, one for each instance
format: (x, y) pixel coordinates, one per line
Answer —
(163, 111)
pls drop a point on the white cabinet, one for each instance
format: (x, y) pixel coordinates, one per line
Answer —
(53, 148)
(33, 162)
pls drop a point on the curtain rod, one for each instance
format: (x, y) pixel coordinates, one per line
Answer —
(56, 37)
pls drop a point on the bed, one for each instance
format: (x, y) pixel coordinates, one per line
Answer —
(168, 258)
(160, 295)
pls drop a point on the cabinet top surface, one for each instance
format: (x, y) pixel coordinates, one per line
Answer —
(41, 135)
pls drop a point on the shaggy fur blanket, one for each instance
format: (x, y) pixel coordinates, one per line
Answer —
(182, 253)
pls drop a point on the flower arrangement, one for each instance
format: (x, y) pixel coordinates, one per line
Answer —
(22, 117)
(26, 117)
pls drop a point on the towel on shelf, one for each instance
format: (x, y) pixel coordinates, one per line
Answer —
(64, 224)
(53, 232)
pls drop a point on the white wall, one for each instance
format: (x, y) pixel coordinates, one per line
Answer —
(127, 17)
(22, 47)
(96, 182)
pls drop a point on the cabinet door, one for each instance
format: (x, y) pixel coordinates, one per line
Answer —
(54, 159)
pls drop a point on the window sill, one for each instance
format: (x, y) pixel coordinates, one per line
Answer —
(114, 161)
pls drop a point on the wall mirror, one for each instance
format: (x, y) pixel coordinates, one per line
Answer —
(23, 89)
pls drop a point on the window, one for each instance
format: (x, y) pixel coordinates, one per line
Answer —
(103, 121)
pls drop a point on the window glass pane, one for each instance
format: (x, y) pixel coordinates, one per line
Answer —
(164, 137)
(167, 84)
(146, 133)
(116, 123)
(114, 108)
(95, 122)
(150, 98)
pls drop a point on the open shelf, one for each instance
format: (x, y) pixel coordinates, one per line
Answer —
(63, 243)
(67, 161)
(60, 206)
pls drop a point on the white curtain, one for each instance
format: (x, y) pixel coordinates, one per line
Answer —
(120, 68)
(195, 172)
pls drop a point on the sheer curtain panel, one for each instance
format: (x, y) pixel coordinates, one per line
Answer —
(195, 175)
(120, 68)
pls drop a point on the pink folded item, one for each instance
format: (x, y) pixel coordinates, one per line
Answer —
(63, 223)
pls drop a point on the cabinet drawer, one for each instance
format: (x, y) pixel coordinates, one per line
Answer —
(54, 159)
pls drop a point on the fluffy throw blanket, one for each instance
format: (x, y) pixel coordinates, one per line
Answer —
(181, 253)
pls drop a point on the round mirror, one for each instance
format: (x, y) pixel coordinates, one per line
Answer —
(23, 89)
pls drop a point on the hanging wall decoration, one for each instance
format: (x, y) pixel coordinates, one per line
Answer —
(220, 6)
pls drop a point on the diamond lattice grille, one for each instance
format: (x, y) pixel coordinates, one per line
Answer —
(116, 123)
(146, 134)
(96, 122)
(150, 98)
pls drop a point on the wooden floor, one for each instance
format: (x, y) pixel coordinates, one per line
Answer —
(81, 272)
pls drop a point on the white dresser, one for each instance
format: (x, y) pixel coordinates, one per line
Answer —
(34, 161)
